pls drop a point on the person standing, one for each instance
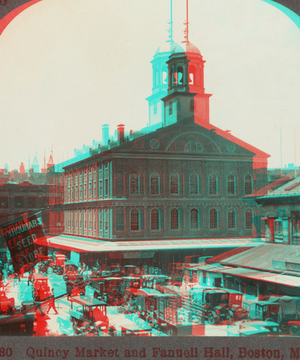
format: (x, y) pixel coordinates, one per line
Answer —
(30, 278)
(38, 302)
(52, 304)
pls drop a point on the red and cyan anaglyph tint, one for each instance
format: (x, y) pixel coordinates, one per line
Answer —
(177, 229)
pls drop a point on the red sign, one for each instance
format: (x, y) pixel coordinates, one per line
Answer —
(21, 236)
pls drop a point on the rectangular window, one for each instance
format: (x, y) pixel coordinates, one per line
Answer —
(90, 220)
(3, 202)
(100, 188)
(76, 220)
(100, 220)
(85, 220)
(90, 189)
(155, 108)
(19, 202)
(106, 220)
(106, 187)
(81, 219)
(70, 187)
(80, 186)
(31, 202)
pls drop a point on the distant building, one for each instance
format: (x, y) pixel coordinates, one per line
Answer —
(15, 199)
(35, 166)
(280, 203)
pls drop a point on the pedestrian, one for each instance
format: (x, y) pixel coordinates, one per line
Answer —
(38, 302)
(52, 304)
(30, 277)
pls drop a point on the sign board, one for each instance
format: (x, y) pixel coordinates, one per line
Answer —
(132, 255)
(21, 236)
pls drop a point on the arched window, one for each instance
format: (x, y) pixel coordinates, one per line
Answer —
(214, 220)
(193, 146)
(120, 220)
(177, 219)
(180, 75)
(119, 184)
(194, 184)
(136, 183)
(154, 183)
(137, 219)
(165, 77)
(192, 72)
(231, 185)
(157, 219)
(248, 185)
(213, 184)
(194, 219)
(249, 219)
(232, 219)
(174, 183)
(171, 77)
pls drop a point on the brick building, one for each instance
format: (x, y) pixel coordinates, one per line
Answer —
(186, 178)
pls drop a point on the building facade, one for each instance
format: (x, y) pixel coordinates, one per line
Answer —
(186, 181)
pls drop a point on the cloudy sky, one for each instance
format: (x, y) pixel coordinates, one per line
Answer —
(69, 66)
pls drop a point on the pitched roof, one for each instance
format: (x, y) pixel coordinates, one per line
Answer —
(227, 254)
(265, 257)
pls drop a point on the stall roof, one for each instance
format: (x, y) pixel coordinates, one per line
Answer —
(227, 254)
(263, 257)
(87, 301)
(274, 278)
(150, 292)
(81, 244)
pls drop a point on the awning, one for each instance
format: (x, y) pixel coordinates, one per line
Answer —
(73, 243)
(81, 244)
(269, 277)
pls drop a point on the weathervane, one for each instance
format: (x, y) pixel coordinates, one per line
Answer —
(186, 23)
(170, 30)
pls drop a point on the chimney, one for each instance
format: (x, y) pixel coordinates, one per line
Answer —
(105, 134)
(121, 129)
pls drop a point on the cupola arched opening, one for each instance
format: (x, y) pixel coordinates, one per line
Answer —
(192, 75)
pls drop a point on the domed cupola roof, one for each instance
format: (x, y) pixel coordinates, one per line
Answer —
(169, 47)
(190, 48)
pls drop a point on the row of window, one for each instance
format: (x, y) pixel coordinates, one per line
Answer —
(98, 220)
(176, 184)
(20, 202)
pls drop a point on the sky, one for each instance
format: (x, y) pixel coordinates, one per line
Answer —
(69, 66)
